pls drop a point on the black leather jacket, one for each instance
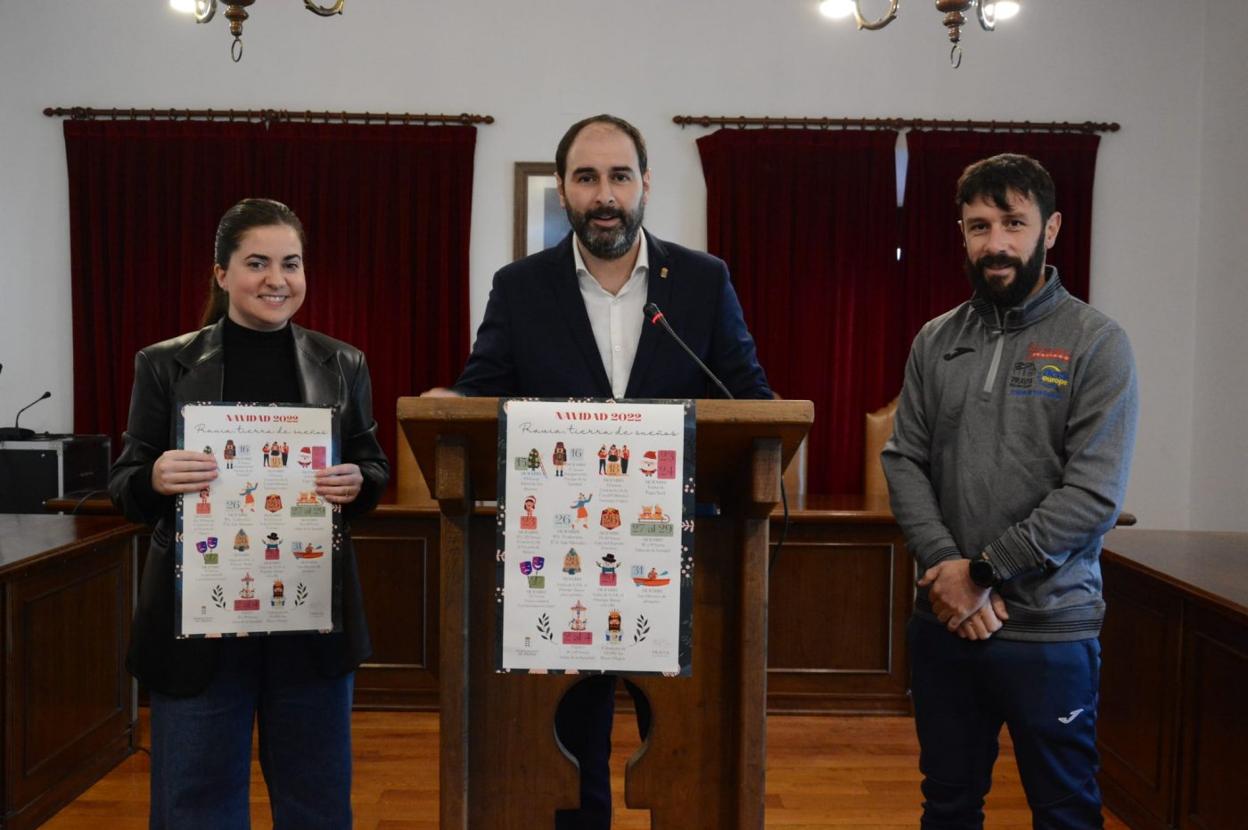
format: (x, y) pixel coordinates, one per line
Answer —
(188, 369)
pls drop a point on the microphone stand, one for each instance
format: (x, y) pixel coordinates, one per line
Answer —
(656, 318)
(15, 432)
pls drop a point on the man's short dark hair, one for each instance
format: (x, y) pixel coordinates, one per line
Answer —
(565, 143)
(993, 179)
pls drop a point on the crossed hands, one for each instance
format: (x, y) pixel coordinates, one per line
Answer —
(972, 612)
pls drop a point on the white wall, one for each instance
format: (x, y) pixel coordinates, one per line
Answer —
(538, 65)
(1219, 489)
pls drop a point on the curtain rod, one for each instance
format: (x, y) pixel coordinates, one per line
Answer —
(267, 116)
(896, 124)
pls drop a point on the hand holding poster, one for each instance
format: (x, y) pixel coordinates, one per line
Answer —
(256, 549)
(595, 536)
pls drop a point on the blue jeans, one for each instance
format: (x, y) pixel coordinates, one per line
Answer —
(201, 745)
(1046, 693)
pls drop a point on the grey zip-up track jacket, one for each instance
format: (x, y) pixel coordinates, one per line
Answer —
(1013, 437)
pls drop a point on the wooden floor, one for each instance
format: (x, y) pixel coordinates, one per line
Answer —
(822, 772)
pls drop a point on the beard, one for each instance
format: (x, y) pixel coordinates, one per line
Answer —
(1006, 295)
(609, 243)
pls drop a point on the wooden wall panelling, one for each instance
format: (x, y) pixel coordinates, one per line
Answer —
(397, 555)
(1138, 719)
(1215, 731)
(840, 597)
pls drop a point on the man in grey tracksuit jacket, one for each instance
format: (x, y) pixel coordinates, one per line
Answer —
(1011, 445)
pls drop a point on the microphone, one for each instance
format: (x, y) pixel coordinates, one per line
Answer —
(656, 318)
(16, 433)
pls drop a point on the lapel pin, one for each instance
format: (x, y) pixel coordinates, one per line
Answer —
(663, 273)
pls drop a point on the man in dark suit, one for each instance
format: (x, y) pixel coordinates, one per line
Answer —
(569, 322)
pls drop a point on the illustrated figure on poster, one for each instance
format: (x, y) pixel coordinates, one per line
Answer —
(241, 543)
(614, 633)
(249, 500)
(535, 461)
(610, 519)
(305, 457)
(649, 463)
(608, 565)
(247, 596)
(279, 594)
(602, 460)
(572, 562)
(229, 453)
(205, 506)
(272, 546)
(560, 458)
(654, 515)
(578, 622)
(653, 579)
(624, 459)
(264, 455)
(582, 512)
(308, 551)
(532, 569)
(208, 549)
(529, 521)
(613, 461)
(275, 454)
(285, 452)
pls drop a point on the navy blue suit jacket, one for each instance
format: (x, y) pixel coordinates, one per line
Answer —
(536, 340)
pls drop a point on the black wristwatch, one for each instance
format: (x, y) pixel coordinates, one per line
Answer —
(984, 573)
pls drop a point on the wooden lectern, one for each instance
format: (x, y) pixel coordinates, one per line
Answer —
(702, 765)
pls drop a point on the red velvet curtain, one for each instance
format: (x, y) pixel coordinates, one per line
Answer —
(932, 252)
(386, 210)
(807, 222)
(144, 200)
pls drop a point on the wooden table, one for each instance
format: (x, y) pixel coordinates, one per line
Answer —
(67, 587)
(1173, 732)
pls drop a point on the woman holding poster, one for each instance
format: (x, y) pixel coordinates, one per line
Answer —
(206, 693)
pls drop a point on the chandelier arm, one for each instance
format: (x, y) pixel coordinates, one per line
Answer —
(324, 11)
(987, 19)
(874, 25)
(205, 10)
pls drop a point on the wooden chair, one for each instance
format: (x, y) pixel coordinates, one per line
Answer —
(879, 430)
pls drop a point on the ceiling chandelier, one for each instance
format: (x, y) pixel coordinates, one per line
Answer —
(236, 13)
(987, 11)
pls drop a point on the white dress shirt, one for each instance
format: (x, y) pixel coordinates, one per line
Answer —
(616, 319)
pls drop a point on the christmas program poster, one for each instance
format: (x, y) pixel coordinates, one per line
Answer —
(255, 549)
(595, 536)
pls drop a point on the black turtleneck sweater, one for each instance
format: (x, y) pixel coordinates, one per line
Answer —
(260, 365)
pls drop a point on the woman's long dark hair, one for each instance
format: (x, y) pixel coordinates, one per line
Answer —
(247, 214)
